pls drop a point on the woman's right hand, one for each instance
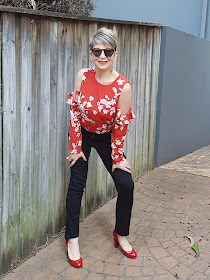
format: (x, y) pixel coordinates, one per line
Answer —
(72, 158)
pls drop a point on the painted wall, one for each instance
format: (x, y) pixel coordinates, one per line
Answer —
(184, 15)
(183, 100)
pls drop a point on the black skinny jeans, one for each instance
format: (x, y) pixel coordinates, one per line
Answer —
(122, 179)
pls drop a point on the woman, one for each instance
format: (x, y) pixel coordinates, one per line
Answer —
(100, 111)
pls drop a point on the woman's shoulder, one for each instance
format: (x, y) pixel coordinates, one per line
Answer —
(82, 75)
(83, 71)
(122, 81)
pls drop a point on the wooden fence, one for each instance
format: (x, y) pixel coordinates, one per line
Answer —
(40, 56)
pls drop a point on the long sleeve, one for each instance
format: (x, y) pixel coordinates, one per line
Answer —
(119, 131)
(75, 136)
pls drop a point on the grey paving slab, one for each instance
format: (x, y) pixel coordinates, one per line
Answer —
(170, 204)
(195, 163)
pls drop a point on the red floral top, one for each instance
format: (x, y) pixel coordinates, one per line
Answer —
(95, 109)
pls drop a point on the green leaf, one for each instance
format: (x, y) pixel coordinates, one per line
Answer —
(194, 245)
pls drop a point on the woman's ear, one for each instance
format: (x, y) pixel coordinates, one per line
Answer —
(115, 55)
(90, 54)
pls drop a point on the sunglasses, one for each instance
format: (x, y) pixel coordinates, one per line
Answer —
(107, 52)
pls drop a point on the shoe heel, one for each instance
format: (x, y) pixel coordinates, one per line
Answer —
(116, 243)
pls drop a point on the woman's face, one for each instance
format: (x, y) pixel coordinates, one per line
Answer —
(103, 61)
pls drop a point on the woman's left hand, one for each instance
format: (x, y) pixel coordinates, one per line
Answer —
(124, 165)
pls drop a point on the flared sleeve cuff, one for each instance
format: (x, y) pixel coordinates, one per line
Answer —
(123, 120)
(72, 101)
(118, 134)
(75, 136)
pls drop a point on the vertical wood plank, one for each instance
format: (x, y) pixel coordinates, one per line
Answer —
(147, 100)
(61, 131)
(154, 88)
(36, 76)
(140, 101)
(10, 206)
(1, 139)
(43, 128)
(52, 196)
(69, 88)
(25, 154)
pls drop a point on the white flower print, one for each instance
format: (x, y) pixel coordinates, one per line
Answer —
(118, 142)
(87, 69)
(104, 126)
(113, 146)
(120, 82)
(94, 112)
(74, 145)
(91, 98)
(116, 126)
(109, 122)
(89, 105)
(83, 78)
(112, 110)
(100, 107)
(105, 102)
(105, 112)
(120, 150)
(114, 89)
(86, 118)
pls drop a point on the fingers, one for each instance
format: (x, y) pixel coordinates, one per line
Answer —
(72, 158)
(72, 163)
(123, 165)
(83, 156)
(126, 169)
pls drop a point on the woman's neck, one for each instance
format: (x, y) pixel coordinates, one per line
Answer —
(105, 77)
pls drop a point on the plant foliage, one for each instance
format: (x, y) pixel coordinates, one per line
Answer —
(73, 7)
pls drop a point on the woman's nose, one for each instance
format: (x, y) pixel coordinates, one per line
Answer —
(102, 54)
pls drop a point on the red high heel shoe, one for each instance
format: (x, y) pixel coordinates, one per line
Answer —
(130, 254)
(77, 263)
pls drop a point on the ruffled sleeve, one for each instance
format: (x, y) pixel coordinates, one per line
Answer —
(75, 136)
(119, 131)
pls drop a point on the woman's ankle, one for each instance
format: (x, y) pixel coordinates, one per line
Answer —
(74, 240)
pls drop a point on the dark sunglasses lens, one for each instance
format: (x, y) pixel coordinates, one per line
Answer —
(108, 53)
(97, 52)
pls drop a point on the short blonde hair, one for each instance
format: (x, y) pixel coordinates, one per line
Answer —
(105, 36)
